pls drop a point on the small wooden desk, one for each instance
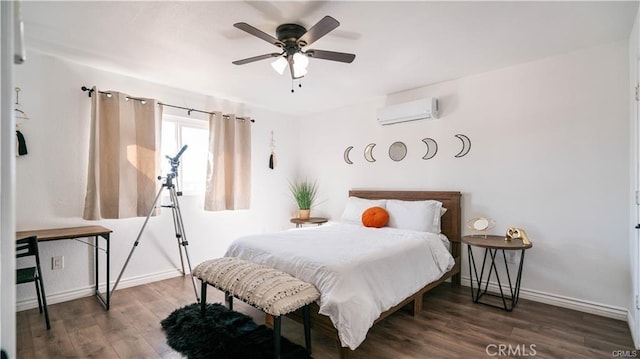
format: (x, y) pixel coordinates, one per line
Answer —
(54, 234)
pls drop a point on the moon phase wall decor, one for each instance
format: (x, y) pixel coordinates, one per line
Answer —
(346, 155)
(432, 148)
(368, 152)
(397, 151)
(466, 145)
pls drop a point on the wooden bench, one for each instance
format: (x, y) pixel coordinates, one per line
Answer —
(272, 291)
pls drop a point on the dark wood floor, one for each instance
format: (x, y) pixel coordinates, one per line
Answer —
(450, 326)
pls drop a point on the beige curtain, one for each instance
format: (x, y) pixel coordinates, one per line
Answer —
(229, 165)
(124, 156)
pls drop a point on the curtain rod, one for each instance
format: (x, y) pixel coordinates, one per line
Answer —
(189, 110)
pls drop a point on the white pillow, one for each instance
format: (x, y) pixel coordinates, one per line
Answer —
(356, 206)
(423, 216)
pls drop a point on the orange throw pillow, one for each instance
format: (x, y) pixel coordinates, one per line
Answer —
(376, 217)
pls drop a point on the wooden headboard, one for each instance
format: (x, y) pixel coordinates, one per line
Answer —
(451, 226)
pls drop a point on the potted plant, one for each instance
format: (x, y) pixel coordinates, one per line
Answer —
(304, 193)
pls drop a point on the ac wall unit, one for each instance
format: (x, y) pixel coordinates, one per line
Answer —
(409, 111)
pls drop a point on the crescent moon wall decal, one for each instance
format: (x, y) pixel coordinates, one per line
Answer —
(346, 155)
(466, 145)
(432, 148)
(368, 152)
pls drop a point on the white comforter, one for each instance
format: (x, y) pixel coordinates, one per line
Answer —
(361, 272)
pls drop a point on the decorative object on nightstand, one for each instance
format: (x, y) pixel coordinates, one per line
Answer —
(481, 225)
(304, 192)
(311, 220)
(492, 244)
(517, 233)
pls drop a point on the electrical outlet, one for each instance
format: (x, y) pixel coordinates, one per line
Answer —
(57, 262)
(512, 256)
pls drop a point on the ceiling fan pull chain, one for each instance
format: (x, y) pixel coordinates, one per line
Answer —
(292, 91)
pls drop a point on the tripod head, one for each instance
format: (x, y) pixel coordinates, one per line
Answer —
(175, 161)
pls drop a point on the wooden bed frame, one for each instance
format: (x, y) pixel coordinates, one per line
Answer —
(451, 227)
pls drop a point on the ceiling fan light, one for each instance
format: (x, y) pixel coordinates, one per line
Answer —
(279, 65)
(300, 60)
(300, 63)
(299, 72)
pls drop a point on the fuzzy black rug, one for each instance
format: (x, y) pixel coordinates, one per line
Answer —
(223, 334)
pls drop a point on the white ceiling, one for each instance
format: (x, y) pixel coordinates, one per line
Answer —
(399, 45)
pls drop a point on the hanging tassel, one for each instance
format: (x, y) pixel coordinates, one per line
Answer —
(22, 144)
(272, 157)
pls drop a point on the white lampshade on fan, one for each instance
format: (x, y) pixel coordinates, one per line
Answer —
(279, 65)
(300, 63)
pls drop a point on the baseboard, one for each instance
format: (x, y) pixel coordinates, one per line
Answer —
(632, 327)
(82, 292)
(563, 302)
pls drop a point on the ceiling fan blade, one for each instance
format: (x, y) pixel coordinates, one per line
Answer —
(323, 27)
(331, 55)
(256, 58)
(258, 33)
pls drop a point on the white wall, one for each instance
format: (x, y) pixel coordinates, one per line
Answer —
(7, 185)
(550, 153)
(634, 57)
(51, 179)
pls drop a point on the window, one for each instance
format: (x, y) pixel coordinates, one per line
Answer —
(180, 131)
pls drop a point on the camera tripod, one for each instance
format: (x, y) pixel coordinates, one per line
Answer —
(178, 225)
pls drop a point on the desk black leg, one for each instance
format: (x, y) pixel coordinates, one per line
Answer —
(106, 299)
(106, 237)
(96, 267)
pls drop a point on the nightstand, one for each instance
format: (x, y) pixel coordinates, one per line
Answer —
(492, 244)
(312, 220)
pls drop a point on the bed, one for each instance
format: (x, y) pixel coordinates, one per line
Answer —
(365, 278)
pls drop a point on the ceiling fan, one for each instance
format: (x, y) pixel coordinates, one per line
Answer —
(293, 40)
